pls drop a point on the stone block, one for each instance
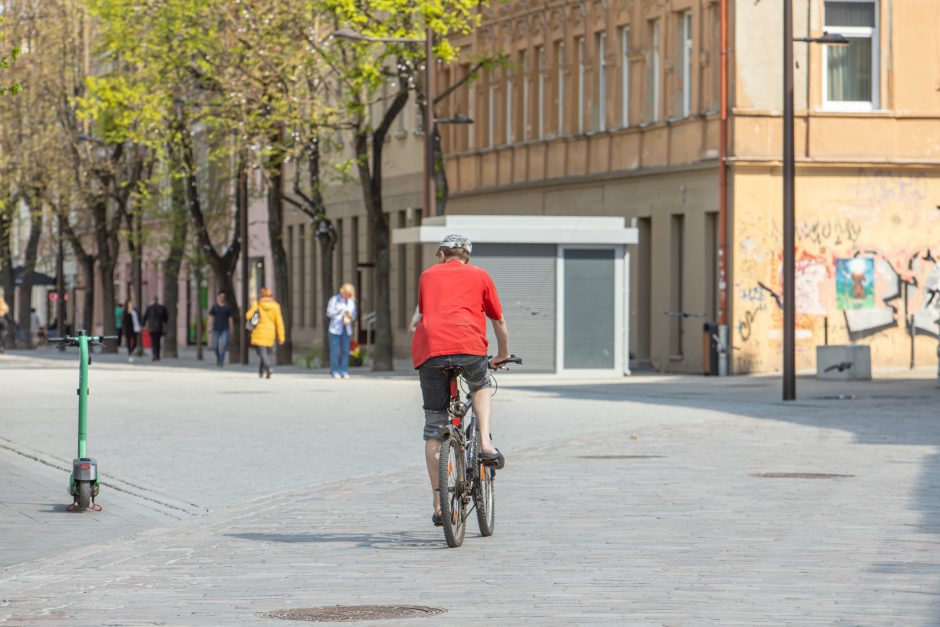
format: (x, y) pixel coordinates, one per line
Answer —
(843, 362)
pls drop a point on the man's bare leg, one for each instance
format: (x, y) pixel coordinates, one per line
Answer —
(482, 405)
(432, 455)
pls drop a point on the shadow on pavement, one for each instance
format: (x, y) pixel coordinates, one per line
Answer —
(389, 540)
(894, 411)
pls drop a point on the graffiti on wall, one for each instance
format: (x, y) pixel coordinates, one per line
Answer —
(867, 266)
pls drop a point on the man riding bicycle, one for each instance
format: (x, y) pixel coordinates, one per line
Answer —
(455, 299)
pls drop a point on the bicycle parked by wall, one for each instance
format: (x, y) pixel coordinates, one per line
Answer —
(463, 478)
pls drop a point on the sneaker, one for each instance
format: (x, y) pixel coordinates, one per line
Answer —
(335, 375)
(344, 375)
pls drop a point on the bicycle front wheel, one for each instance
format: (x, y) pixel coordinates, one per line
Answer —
(484, 497)
(451, 487)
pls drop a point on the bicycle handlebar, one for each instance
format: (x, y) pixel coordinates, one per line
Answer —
(512, 359)
(69, 340)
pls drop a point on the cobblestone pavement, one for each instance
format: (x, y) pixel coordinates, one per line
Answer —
(652, 511)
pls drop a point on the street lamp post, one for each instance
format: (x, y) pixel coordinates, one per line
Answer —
(789, 213)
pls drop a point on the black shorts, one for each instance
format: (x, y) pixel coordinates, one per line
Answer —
(436, 391)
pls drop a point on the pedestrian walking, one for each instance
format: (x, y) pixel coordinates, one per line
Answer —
(221, 313)
(4, 321)
(155, 319)
(118, 322)
(269, 327)
(130, 323)
(341, 311)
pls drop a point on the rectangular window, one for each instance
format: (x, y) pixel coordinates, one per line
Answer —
(600, 97)
(582, 70)
(510, 79)
(652, 73)
(714, 59)
(625, 77)
(676, 290)
(682, 107)
(491, 110)
(560, 87)
(525, 95)
(540, 54)
(851, 72)
(471, 108)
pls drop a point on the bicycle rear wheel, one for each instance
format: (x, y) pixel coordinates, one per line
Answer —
(451, 486)
(484, 496)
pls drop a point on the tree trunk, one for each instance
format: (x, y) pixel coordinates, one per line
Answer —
(327, 247)
(179, 218)
(278, 255)
(133, 221)
(88, 306)
(108, 248)
(7, 279)
(29, 267)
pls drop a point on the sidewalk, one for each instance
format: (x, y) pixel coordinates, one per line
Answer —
(670, 527)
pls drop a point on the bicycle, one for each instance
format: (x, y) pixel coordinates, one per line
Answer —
(463, 478)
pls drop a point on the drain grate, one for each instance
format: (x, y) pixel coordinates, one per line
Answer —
(837, 397)
(351, 613)
(799, 475)
(620, 456)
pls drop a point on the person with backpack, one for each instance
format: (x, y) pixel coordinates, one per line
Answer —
(266, 325)
(155, 318)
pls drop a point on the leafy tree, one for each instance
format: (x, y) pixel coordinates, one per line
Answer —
(365, 66)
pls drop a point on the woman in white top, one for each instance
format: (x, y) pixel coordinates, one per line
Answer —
(341, 312)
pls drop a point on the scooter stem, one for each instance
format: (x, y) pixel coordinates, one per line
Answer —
(82, 393)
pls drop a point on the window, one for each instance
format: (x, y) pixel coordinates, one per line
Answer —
(652, 73)
(491, 110)
(850, 78)
(625, 77)
(714, 59)
(600, 99)
(582, 70)
(560, 87)
(471, 100)
(510, 79)
(525, 95)
(540, 58)
(682, 106)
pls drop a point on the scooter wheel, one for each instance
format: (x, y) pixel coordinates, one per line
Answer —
(83, 494)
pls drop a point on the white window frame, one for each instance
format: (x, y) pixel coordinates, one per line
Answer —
(540, 60)
(581, 78)
(509, 106)
(560, 87)
(873, 33)
(625, 76)
(600, 124)
(686, 64)
(525, 95)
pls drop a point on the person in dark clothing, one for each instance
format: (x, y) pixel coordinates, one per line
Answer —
(221, 313)
(155, 319)
(130, 326)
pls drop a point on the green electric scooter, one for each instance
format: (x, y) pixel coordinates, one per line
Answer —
(83, 482)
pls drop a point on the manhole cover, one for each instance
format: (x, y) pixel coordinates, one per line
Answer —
(799, 475)
(838, 397)
(351, 613)
(620, 456)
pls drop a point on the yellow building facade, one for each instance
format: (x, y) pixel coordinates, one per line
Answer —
(613, 108)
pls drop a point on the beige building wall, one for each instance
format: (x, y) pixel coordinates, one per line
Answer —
(867, 185)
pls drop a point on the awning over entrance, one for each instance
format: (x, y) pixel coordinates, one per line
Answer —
(503, 229)
(563, 282)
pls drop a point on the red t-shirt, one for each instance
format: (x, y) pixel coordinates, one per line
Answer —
(455, 299)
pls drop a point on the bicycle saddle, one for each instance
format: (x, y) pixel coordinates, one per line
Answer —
(455, 371)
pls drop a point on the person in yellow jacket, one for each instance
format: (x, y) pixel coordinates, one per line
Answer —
(4, 327)
(270, 327)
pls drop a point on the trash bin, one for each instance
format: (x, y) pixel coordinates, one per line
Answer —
(710, 362)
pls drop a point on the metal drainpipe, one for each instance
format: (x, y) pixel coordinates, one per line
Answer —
(723, 337)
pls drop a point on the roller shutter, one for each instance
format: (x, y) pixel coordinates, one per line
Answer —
(525, 279)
